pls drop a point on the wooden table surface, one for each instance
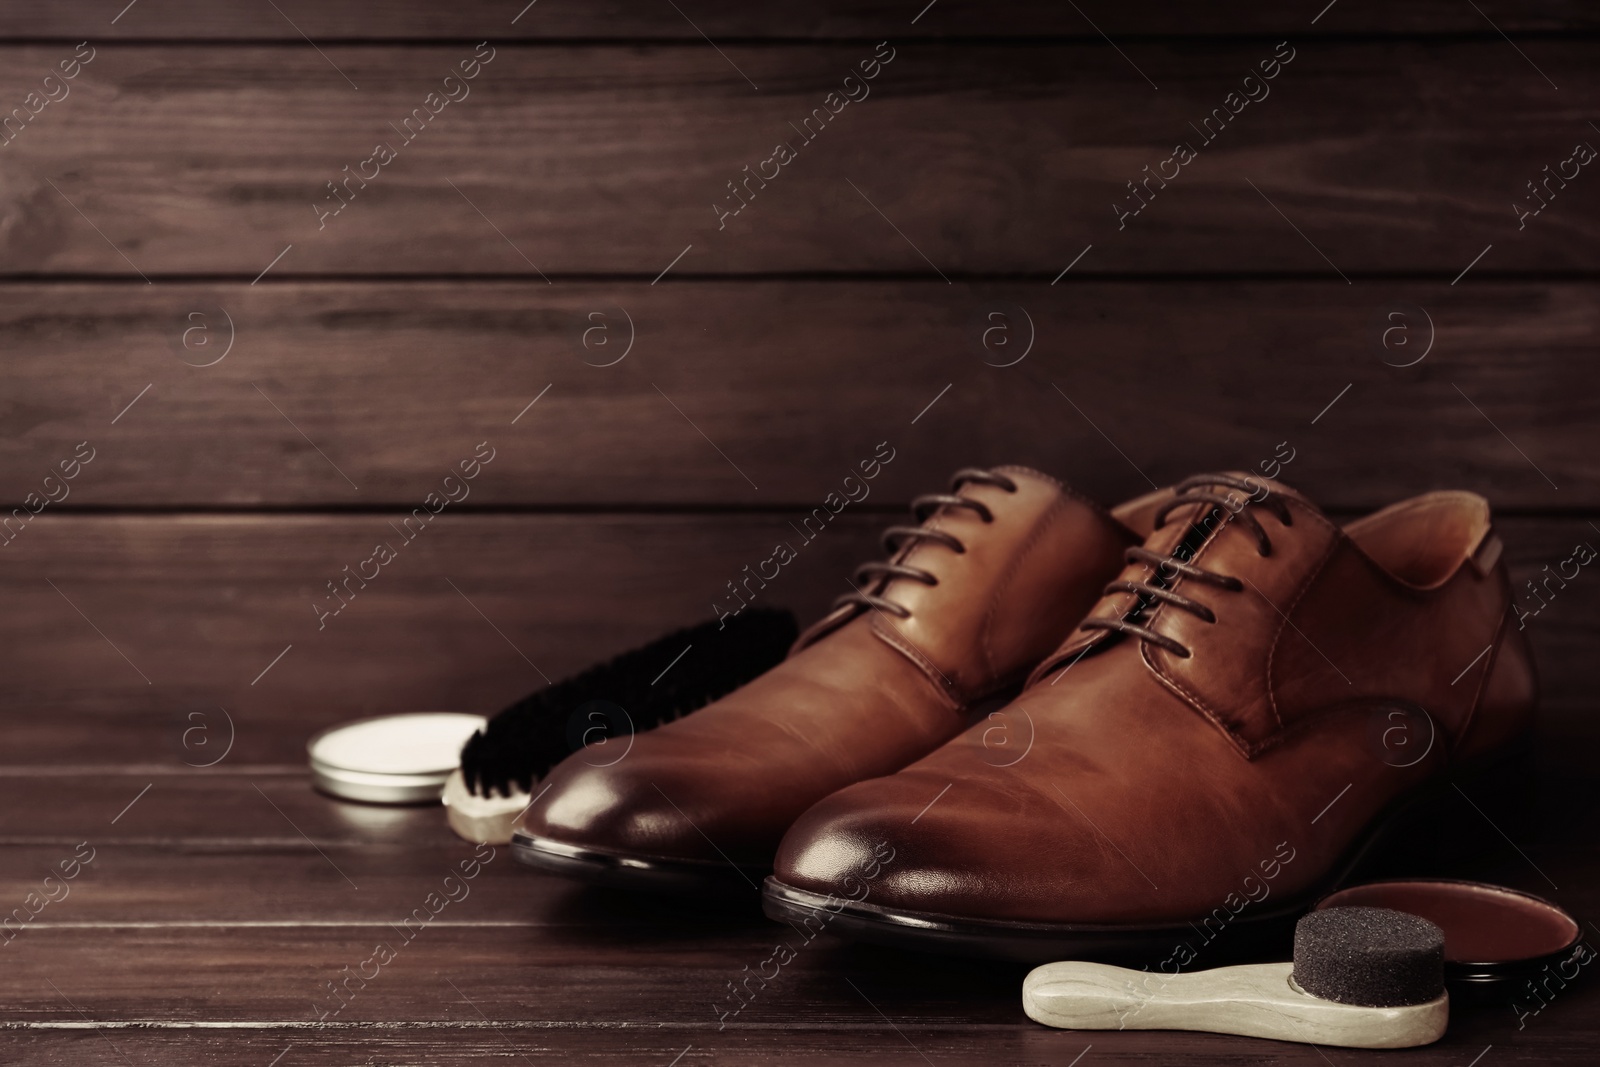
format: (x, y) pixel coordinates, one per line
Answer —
(210, 909)
(1376, 266)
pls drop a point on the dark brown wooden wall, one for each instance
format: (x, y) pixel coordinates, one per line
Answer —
(163, 211)
(1284, 287)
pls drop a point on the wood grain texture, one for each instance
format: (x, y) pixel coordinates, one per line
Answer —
(204, 606)
(546, 962)
(557, 19)
(209, 815)
(1562, 1036)
(794, 383)
(166, 924)
(208, 812)
(671, 975)
(472, 614)
(1404, 156)
(240, 921)
(161, 617)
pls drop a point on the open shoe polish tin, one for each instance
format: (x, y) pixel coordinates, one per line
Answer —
(391, 759)
(1499, 943)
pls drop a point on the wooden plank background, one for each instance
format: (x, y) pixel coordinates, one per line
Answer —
(541, 271)
(396, 382)
(784, 19)
(200, 605)
(1390, 156)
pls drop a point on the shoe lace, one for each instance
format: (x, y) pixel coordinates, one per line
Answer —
(1200, 489)
(897, 537)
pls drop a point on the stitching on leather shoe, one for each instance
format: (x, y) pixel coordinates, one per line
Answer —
(1246, 749)
(936, 678)
(1287, 613)
(952, 695)
(1043, 523)
(1183, 692)
(1251, 749)
(1088, 501)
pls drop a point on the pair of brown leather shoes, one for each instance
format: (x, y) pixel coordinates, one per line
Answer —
(1217, 731)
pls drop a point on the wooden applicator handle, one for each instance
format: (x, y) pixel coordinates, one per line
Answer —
(1255, 1001)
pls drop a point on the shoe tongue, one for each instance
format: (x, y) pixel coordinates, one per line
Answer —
(1261, 488)
(1181, 519)
(1183, 532)
(1188, 527)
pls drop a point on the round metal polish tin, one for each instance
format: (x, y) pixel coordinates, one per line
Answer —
(1495, 939)
(391, 759)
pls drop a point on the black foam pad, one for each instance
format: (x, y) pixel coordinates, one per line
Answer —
(1374, 957)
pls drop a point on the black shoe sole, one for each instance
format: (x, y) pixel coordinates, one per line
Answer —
(1018, 942)
(1250, 933)
(652, 874)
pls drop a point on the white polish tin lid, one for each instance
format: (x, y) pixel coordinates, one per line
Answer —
(391, 759)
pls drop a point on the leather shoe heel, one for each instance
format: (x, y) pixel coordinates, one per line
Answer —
(1463, 826)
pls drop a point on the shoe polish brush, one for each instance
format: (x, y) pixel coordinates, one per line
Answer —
(1361, 978)
(666, 679)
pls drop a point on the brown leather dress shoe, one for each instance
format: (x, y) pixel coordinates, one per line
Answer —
(1254, 697)
(999, 570)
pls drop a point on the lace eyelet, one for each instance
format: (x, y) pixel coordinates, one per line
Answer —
(896, 540)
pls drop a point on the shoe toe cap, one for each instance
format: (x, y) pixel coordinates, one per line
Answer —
(879, 841)
(978, 847)
(627, 807)
(660, 800)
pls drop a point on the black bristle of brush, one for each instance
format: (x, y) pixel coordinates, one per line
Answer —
(522, 742)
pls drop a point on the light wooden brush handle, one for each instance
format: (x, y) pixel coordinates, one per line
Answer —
(1256, 1001)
